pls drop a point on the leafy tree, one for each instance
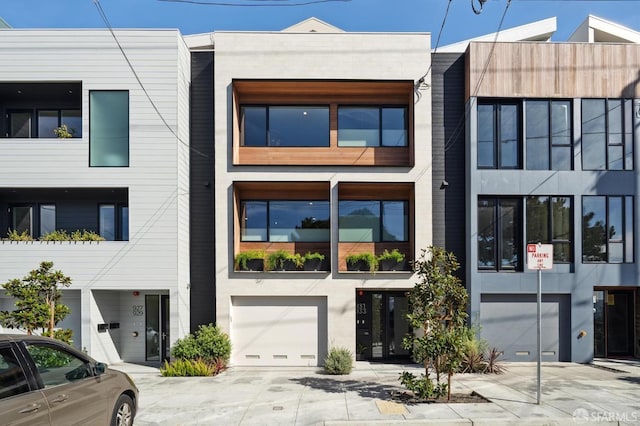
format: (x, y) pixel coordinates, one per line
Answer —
(37, 300)
(437, 310)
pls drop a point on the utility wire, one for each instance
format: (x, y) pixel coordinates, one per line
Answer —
(272, 3)
(104, 17)
(454, 137)
(420, 81)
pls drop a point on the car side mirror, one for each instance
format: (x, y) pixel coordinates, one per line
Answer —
(100, 368)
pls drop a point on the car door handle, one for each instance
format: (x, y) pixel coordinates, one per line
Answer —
(30, 408)
(60, 398)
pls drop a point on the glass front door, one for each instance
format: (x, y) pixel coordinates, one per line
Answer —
(381, 325)
(157, 327)
(614, 313)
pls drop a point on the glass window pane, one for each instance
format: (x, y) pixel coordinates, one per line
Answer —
(594, 236)
(124, 223)
(538, 220)
(107, 222)
(628, 234)
(395, 221)
(253, 225)
(593, 134)
(616, 160)
(615, 229)
(509, 136)
(56, 366)
(19, 124)
(394, 127)
(22, 221)
(537, 128)
(359, 221)
(562, 252)
(486, 234)
(73, 119)
(299, 221)
(561, 228)
(109, 128)
(614, 115)
(628, 135)
(298, 126)
(152, 327)
(47, 122)
(508, 214)
(47, 218)
(561, 158)
(254, 126)
(561, 123)
(486, 136)
(14, 382)
(616, 252)
(358, 126)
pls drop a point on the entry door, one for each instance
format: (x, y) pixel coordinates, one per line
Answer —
(381, 325)
(614, 315)
(157, 327)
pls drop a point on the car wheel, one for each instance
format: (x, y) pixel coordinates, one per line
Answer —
(123, 412)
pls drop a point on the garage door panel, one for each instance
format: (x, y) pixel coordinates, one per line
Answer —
(277, 330)
(509, 323)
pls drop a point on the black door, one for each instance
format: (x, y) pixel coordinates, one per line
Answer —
(614, 315)
(381, 325)
(165, 349)
(157, 329)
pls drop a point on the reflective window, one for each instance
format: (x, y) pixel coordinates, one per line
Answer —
(72, 118)
(285, 221)
(607, 135)
(373, 221)
(47, 218)
(19, 124)
(48, 120)
(124, 222)
(549, 222)
(285, 126)
(12, 378)
(607, 229)
(372, 126)
(58, 367)
(108, 128)
(499, 228)
(21, 220)
(107, 222)
(548, 135)
(498, 135)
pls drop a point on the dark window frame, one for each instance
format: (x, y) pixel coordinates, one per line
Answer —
(268, 218)
(128, 162)
(551, 144)
(497, 131)
(550, 226)
(627, 209)
(267, 135)
(75, 134)
(498, 242)
(117, 220)
(381, 230)
(380, 108)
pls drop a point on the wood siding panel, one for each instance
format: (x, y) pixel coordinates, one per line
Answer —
(553, 70)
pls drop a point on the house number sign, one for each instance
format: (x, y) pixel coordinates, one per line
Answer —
(138, 310)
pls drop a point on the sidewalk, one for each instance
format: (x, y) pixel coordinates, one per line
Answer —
(571, 394)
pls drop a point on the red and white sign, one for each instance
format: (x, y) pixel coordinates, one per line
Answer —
(539, 256)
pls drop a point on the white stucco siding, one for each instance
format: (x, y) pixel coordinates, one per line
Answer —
(316, 56)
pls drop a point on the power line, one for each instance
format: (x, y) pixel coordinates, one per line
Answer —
(104, 17)
(259, 3)
(421, 79)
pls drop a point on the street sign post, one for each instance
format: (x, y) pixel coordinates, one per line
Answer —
(539, 257)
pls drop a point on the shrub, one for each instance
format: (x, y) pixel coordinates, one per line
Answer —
(62, 334)
(57, 235)
(85, 235)
(368, 258)
(494, 363)
(208, 343)
(394, 255)
(188, 368)
(14, 235)
(243, 257)
(338, 361)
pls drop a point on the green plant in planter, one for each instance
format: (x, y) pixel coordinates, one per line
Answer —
(357, 262)
(279, 259)
(391, 260)
(85, 235)
(56, 235)
(63, 132)
(313, 261)
(244, 257)
(14, 235)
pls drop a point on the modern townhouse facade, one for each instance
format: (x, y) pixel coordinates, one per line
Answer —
(123, 174)
(538, 142)
(321, 144)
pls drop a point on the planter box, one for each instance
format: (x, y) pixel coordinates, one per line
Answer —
(360, 265)
(316, 265)
(287, 265)
(253, 265)
(392, 265)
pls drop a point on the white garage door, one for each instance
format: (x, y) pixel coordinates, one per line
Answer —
(286, 331)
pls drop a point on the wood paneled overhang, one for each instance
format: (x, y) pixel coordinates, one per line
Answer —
(552, 70)
(332, 94)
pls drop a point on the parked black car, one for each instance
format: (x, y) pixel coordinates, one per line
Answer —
(45, 381)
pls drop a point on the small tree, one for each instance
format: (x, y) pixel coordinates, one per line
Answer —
(437, 310)
(37, 300)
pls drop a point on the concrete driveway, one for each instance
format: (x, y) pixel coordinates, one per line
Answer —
(604, 393)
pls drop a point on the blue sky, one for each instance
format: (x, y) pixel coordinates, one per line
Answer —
(354, 15)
